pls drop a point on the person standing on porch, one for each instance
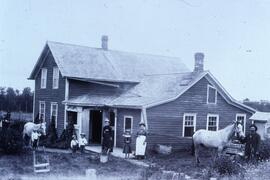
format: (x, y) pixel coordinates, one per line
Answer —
(141, 142)
(127, 143)
(107, 135)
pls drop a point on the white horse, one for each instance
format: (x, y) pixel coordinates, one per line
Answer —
(213, 139)
(30, 127)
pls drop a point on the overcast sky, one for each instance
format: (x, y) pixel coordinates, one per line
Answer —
(233, 34)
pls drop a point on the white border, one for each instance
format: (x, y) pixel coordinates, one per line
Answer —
(208, 87)
(194, 123)
(212, 115)
(131, 117)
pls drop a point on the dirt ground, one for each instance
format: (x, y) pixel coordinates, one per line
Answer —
(67, 165)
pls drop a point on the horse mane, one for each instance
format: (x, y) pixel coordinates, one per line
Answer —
(230, 129)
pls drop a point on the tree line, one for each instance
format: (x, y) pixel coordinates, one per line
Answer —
(14, 100)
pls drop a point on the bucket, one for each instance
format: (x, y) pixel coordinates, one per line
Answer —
(103, 158)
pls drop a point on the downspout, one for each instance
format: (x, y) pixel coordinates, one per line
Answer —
(144, 117)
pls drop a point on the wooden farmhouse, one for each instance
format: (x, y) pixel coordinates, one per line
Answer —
(84, 85)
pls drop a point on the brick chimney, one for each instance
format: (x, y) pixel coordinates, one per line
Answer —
(199, 61)
(104, 42)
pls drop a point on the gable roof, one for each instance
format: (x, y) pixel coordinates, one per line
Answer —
(107, 65)
(261, 116)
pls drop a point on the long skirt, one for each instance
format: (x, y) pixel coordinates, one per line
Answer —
(140, 146)
(127, 149)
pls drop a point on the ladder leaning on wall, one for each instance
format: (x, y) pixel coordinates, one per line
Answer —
(41, 167)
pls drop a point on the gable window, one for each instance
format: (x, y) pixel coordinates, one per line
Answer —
(211, 95)
(212, 122)
(242, 118)
(43, 78)
(128, 123)
(54, 112)
(42, 110)
(189, 124)
(55, 78)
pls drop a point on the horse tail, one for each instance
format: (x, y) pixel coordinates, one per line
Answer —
(192, 148)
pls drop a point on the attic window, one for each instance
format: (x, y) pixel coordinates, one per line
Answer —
(43, 78)
(55, 78)
(211, 95)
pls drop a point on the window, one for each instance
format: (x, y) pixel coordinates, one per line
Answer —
(242, 118)
(189, 124)
(211, 95)
(42, 110)
(43, 78)
(268, 130)
(212, 122)
(128, 123)
(55, 78)
(54, 112)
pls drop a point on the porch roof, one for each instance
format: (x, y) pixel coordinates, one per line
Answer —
(261, 116)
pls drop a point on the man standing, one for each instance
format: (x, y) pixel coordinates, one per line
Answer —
(252, 142)
(107, 134)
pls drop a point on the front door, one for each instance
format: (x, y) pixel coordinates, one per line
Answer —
(95, 126)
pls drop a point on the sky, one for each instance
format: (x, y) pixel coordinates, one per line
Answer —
(234, 35)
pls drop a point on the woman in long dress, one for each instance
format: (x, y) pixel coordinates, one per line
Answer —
(141, 142)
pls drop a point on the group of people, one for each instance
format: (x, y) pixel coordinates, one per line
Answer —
(78, 144)
(251, 141)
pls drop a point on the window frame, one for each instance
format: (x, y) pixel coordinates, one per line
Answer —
(217, 122)
(125, 117)
(207, 98)
(56, 117)
(194, 123)
(55, 78)
(245, 119)
(44, 73)
(39, 112)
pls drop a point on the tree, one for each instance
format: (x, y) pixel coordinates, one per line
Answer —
(10, 97)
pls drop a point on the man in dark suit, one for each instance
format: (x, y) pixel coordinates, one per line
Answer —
(107, 134)
(252, 141)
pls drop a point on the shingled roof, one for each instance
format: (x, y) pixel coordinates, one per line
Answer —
(108, 65)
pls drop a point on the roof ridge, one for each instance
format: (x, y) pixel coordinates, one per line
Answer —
(137, 53)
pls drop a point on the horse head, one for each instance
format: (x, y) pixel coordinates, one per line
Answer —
(43, 128)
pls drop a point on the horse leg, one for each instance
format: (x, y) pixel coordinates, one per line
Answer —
(196, 152)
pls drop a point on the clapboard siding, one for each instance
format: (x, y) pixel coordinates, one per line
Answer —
(136, 114)
(166, 121)
(78, 88)
(49, 94)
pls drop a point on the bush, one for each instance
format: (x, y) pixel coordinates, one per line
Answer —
(52, 134)
(225, 166)
(264, 150)
(64, 140)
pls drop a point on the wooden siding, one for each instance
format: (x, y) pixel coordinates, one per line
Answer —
(136, 114)
(166, 121)
(50, 95)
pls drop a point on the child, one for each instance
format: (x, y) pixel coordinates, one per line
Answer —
(74, 144)
(82, 142)
(34, 138)
(127, 143)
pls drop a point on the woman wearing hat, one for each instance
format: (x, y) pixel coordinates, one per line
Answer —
(107, 134)
(252, 144)
(141, 142)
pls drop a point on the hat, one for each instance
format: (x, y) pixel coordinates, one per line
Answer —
(83, 134)
(141, 123)
(107, 120)
(73, 136)
(253, 125)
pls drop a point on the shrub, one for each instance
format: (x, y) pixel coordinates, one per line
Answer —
(52, 134)
(225, 166)
(11, 141)
(64, 141)
(264, 150)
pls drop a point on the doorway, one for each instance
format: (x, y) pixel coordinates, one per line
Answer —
(95, 126)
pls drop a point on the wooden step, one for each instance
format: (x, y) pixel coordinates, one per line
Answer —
(42, 170)
(41, 165)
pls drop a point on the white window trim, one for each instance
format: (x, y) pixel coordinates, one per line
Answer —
(44, 73)
(131, 117)
(54, 103)
(212, 115)
(245, 119)
(194, 124)
(55, 77)
(209, 86)
(42, 102)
